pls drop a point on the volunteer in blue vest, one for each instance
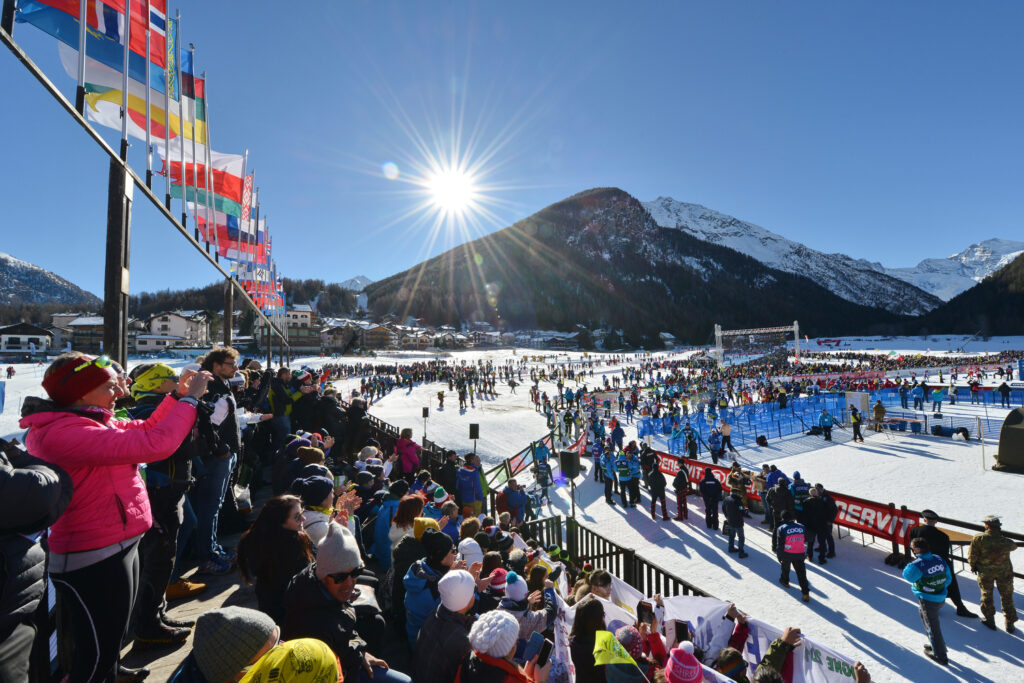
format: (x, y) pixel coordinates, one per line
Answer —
(791, 546)
(609, 466)
(929, 577)
(825, 421)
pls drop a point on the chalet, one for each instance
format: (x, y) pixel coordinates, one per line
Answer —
(25, 337)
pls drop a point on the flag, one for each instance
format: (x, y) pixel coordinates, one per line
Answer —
(227, 180)
(103, 98)
(104, 37)
(193, 89)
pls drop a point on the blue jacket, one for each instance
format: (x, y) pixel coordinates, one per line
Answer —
(516, 502)
(929, 577)
(773, 478)
(421, 596)
(608, 464)
(381, 543)
(801, 491)
(917, 391)
(623, 467)
(635, 470)
(715, 441)
(432, 511)
(541, 452)
(451, 529)
(467, 484)
(825, 420)
(618, 434)
(597, 449)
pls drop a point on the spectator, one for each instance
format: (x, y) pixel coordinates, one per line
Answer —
(89, 551)
(589, 620)
(443, 641)
(317, 494)
(210, 489)
(33, 495)
(449, 471)
(732, 508)
(519, 602)
(408, 454)
(816, 523)
(516, 499)
(227, 640)
(450, 520)
(469, 490)
(303, 660)
(273, 550)
(494, 592)
(318, 605)
(394, 519)
(831, 510)
(493, 639)
(403, 554)
(780, 499)
(421, 596)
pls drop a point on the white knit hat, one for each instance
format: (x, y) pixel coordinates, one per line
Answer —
(338, 552)
(457, 589)
(515, 587)
(470, 551)
(495, 633)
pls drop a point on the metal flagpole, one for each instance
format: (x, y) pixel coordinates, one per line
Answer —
(168, 81)
(211, 216)
(195, 171)
(80, 91)
(149, 123)
(181, 131)
(124, 80)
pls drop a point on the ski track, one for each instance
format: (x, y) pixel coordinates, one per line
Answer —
(859, 605)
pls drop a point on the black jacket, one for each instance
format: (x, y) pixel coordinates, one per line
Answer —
(448, 475)
(681, 480)
(33, 494)
(938, 541)
(732, 508)
(200, 442)
(442, 644)
(310, 612)
(656, 480)
(229, 434)
(331, 417)
(815, 514)
(710, 491)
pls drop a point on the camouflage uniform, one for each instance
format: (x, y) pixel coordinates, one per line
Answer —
(989, 558)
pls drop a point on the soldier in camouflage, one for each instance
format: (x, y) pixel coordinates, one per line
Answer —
(989, 558)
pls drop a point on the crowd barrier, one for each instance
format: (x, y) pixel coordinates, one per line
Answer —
(990, 424)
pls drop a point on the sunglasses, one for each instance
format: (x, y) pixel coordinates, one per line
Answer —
(340, 577)
(100, 362)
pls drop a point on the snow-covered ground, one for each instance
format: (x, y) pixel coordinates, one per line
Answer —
(912, 345)
(859, 605)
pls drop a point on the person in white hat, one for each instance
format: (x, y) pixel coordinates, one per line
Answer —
(494, 637)
(443, 640)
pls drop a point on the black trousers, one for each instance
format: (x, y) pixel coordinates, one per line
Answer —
(634, 491)
(797, 563)
(857, 436)
(94, 605)
(828, 433)
(710, 514)
(157, 550)
(819, 538)
(623, 485)
(609, 488)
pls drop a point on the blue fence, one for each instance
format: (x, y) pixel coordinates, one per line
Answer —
(991, 423)
(748, 421)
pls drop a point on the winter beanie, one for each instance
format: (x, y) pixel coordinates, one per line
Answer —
(76, 378)
(494, 633)
(630, 639)
(515, 587)
(420, 526)
(310, 455)
(338, 552)
(439, 496)
(499, 581)
(470, 551)
(150, 377)
(457, 589)
(682, 666)
(312, 490)
(436, 544)
(226, 640)
(517, 561)
(399, 488)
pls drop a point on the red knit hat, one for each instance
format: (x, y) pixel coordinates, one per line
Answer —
(77, 378)
(682, 666)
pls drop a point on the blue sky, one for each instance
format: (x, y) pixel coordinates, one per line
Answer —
(888, 131)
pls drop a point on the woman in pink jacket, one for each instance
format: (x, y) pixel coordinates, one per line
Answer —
(408, 454)
(94, 560)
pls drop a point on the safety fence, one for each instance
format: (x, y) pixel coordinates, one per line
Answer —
(917, 416)
(586, 545)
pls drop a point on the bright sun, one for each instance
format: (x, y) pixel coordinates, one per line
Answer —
(452, 190)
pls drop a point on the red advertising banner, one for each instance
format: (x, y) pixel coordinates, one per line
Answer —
(890, 523)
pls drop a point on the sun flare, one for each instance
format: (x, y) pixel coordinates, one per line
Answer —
(452, 190)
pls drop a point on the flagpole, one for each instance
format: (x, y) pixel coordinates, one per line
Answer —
(181, 132)
(167, 112)
(242, 220)
(149, 123)
(124, 79)
(195, 171)
(208, 175)
(80, 91)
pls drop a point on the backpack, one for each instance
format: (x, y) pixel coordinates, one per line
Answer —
(762, 440)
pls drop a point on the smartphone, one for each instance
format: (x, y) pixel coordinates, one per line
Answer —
(338, 481)
(644, 612)
(682, 631)
(532, 647)
(545, 652)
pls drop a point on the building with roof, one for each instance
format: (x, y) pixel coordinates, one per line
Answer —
(25, 337)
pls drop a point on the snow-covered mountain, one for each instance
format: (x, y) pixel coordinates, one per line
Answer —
(22, 282)
(854, 280)
(947, 277)
(356, 284)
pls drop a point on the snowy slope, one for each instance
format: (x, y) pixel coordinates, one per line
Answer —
(853, 280)
(947, 277)
(22, 282)
(356, 284)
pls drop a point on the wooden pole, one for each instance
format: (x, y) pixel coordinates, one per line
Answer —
(115, 286)
(229, 311)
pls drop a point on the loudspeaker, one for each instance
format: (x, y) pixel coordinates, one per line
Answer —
(426, 412)
(474, 430)
(569, 463)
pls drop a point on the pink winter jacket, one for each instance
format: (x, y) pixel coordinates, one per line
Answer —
(408, 455)
(100, 454)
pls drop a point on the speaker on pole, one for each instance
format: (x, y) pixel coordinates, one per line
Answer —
(474, 430)
(569, 463)
(426, 412)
